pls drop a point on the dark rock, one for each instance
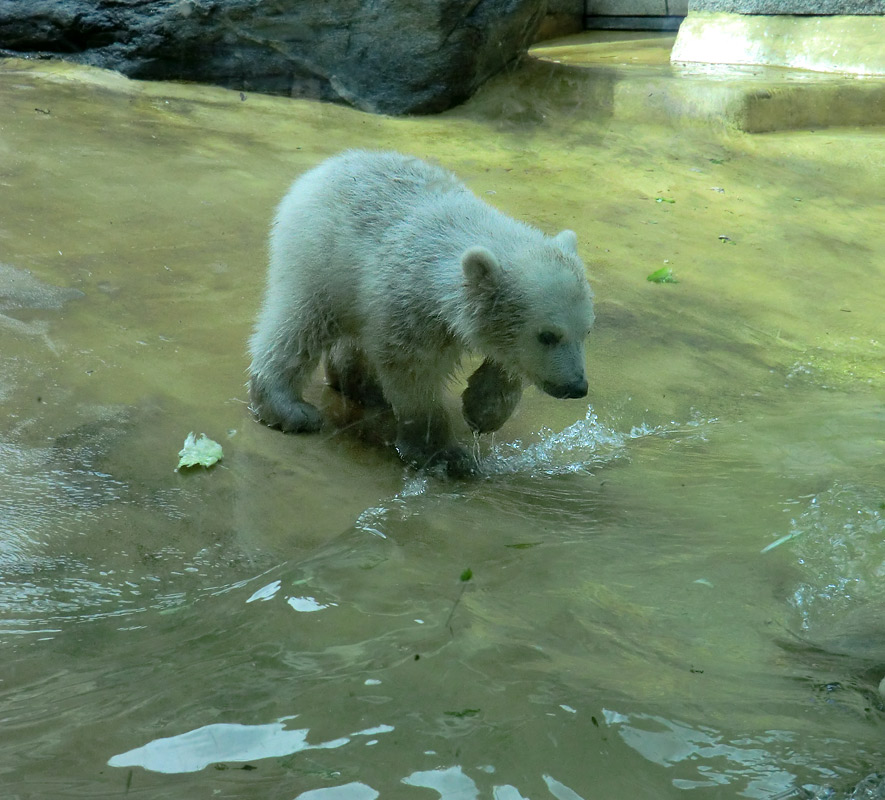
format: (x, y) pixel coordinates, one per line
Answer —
(387, 56)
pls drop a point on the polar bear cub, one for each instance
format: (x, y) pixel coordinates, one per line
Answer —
(389, 268)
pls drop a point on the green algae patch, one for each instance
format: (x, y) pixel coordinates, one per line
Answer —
(199, 452)
(840, 365)
(662, 275)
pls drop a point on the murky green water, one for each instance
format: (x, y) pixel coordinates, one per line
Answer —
(295, 619)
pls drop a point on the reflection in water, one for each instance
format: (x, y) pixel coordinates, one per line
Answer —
(754, 768)
(507, 792)
(451, 783)
(215, 744)
(307, 604)
(265, 593)
(348, 791)
(560, 791)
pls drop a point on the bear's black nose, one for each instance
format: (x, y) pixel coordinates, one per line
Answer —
(577, 389)
(567, 391)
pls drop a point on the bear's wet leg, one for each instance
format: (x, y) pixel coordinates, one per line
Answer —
(424, 439)
(413, 378)
(424, 436)
(276, 396)
(490, 397)
(349, 372)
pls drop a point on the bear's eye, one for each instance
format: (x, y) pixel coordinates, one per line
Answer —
(549, 338)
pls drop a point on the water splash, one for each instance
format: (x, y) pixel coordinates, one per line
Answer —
(840, 546)
(582, 448)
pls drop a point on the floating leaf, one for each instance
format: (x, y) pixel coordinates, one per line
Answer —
(664, 200)
(199, 451)
(466, 575)
(662, 275)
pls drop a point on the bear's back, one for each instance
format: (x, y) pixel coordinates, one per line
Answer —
(384, 186)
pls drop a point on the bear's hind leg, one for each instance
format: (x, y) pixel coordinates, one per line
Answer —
(349, 372)
(275, 393)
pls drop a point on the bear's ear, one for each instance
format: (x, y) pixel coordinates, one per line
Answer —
(567, 240)
(481, 268)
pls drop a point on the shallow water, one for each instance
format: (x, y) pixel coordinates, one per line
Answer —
(300, 617)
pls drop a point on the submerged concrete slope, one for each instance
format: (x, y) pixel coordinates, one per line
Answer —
(631, 77)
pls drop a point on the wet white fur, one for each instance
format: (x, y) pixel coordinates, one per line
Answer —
(399, 262)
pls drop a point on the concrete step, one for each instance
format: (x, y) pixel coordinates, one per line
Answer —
(640, 83)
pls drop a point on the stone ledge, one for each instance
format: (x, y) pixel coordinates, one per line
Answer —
(754, 106)
(849, 44)
(814, 8)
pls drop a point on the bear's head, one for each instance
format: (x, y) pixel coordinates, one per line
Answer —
(530, 310)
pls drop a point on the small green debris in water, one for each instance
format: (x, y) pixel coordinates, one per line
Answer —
(467, 712)
(662, 275)
(203, 451)
(465, 577)
(522, 545)
(664, 200)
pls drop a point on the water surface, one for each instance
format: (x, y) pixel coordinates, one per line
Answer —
(299, 621)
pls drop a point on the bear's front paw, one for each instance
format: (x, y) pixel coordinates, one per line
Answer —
(452, 461)
(458, 462)
(490, 398)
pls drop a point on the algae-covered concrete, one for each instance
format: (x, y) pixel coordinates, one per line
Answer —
(641, 596)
